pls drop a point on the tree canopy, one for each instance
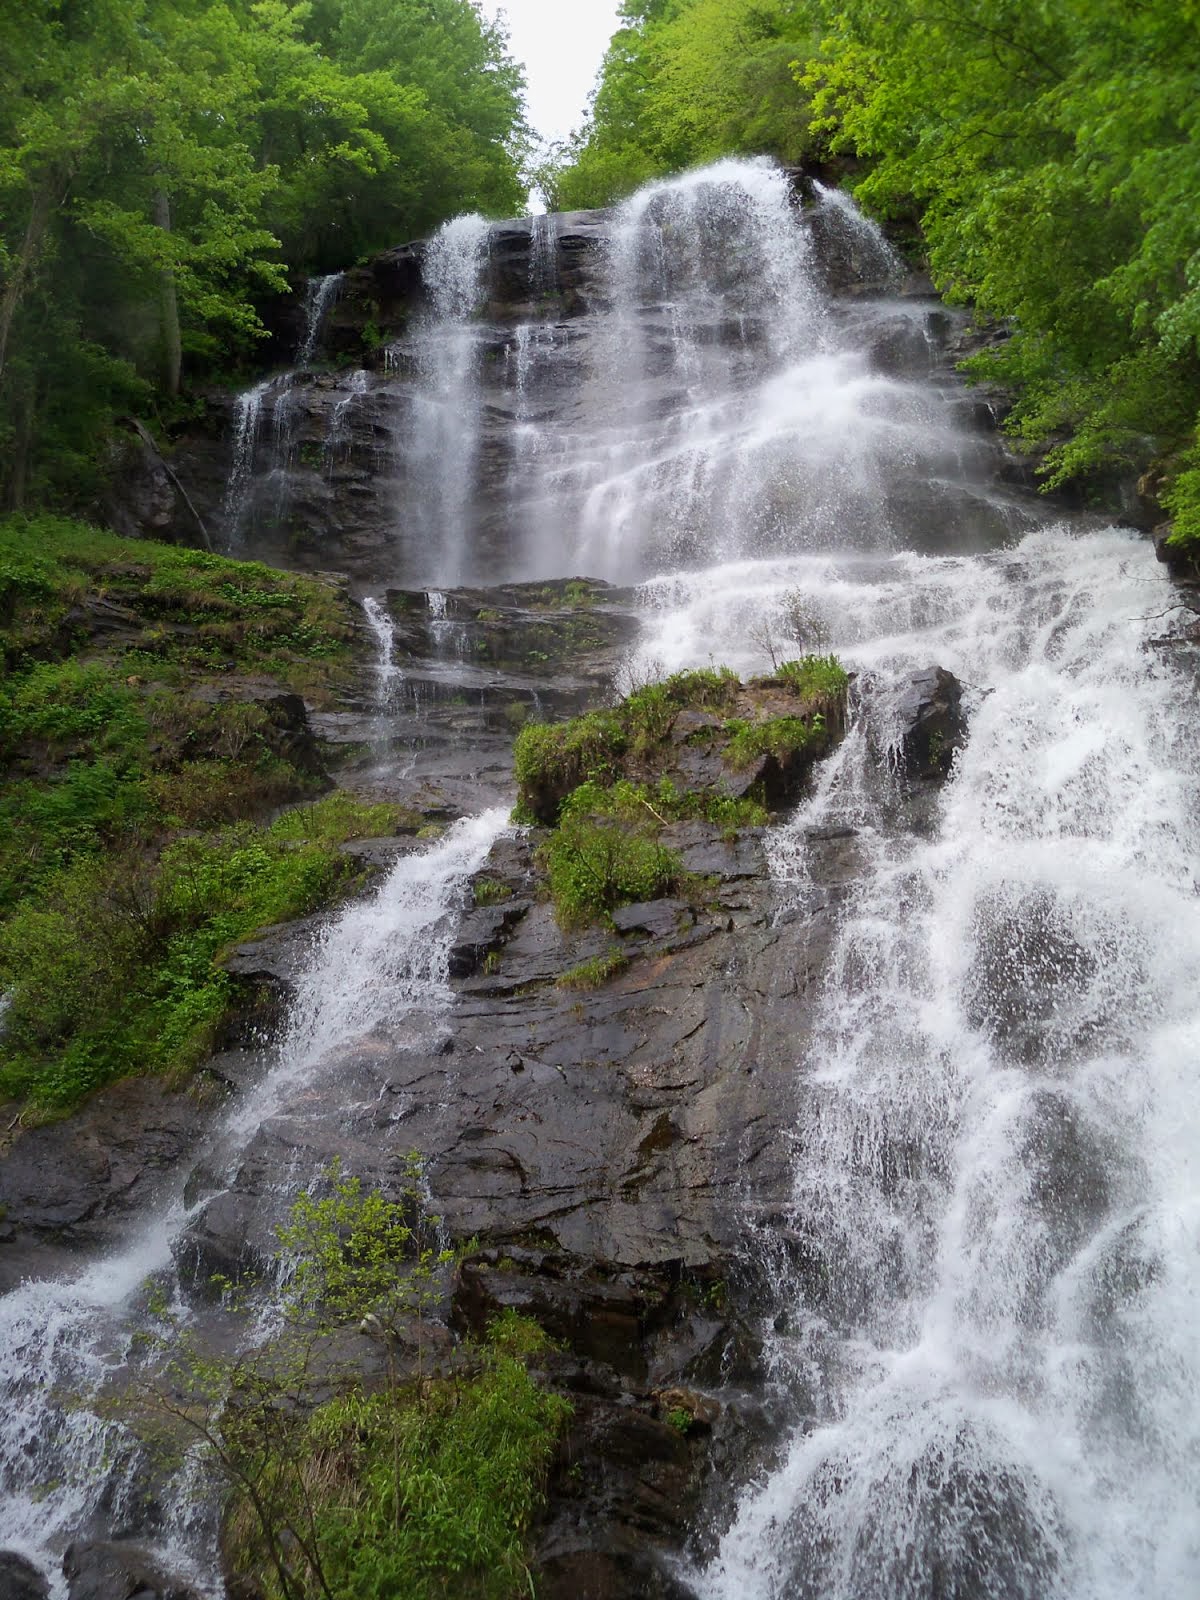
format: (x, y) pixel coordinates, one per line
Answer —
(164, 164)
(1049, 149)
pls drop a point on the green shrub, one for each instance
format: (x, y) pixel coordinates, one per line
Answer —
(549, 760)
(596, 864)
(423, 1486)
(781, 737)
(113, 970)
(815, 676)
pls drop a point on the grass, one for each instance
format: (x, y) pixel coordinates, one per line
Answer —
(814, 676)
(781, 737)
(594, 974)
(490, 891)
(133, 840)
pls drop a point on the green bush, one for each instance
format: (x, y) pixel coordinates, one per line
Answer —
(595, 864)
(423, 1485)
(781, 737)
(113, 969)
(821, 677)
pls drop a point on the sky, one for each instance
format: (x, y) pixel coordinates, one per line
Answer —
(560, 43)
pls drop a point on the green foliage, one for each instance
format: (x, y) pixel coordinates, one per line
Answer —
(594, 864)
(111, 967)
(681, 84)
(818, 677)
(781, 737)
(556, 757)
(490, 891)
(359, 1255)
(418, 1485)
(594, 974)
(113, 925)
(1052, 153)
(1183, 502)
(140, 228)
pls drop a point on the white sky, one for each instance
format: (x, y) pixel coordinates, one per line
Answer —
(561, 43)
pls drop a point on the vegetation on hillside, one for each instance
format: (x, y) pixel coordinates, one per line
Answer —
(141, 765)
(354, 1480)
(165, 164)
(1050, 156)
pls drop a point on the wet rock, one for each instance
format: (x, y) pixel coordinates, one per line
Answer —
(71, 1182)
(482, 931)
(659, 918)
(116, 1571)
(934, 725)
(20, 1579)
(278, 955)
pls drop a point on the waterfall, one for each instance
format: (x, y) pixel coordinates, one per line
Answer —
(241, 492)
(994, 1340)
(318, 299)
(983, 1303)
(247, 421)
(386, 670)
(440, 452)
(381, 964)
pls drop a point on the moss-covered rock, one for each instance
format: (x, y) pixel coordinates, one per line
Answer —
(698, 746)
(699, 740)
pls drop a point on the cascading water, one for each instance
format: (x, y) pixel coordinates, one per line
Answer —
(383, 963)
(318, 301)
(241, 492)
(440, 451)
(986, 1299)
(386, 670)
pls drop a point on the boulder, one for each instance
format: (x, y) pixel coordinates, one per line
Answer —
(20, 1579)
(933, 724)
(115, 1571)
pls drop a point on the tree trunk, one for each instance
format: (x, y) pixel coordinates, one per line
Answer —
(41, 210)
(168, 303)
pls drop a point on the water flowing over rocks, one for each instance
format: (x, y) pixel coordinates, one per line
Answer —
(858, 1193)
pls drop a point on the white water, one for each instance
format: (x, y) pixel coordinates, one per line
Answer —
(386, 670)
(238, 505)
(247, 421)
(997, 1355)
(318, 300)
(441, 445)
(379, 966)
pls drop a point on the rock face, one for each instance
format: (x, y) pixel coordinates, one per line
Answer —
(71, 1184)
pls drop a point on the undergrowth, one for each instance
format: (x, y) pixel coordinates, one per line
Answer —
(419, 1482)
(139, 771)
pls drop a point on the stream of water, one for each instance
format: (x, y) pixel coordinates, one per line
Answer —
(991, 1338)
